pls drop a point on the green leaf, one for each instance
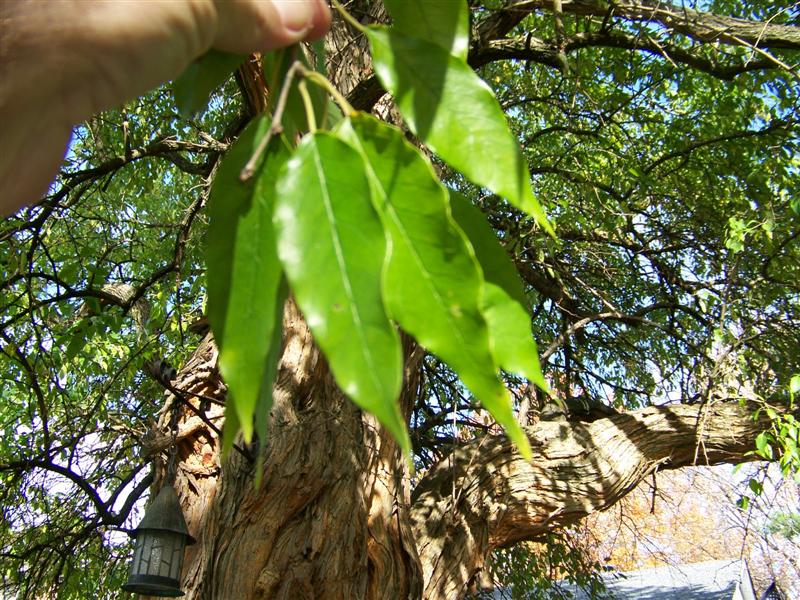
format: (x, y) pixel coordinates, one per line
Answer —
(230, 430)
(77, 340)
(244, 274)
(513, 346)
(264, 402)
(270, 371)
(503, 306)
(332, 246)
(497, 266)
(455, 113)
(444, 22)
(432, 285)
(193, 87)
(762, 445)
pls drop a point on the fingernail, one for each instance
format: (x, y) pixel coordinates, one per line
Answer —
(297, 16)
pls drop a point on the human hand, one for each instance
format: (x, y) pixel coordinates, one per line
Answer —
(61, 62)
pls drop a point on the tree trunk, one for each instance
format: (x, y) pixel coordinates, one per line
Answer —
(333, 517)
(487, 496)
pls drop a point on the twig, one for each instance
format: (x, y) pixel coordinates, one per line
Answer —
(323, 82)
(763, 53)
(208, 422)
(275, 127)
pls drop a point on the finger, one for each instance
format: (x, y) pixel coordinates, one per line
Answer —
(246, 26)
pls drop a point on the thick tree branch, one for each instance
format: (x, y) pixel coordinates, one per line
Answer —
(547, 53)
(698, 25)
(487, 496)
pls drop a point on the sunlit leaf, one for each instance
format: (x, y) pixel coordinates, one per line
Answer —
(455, 113)
(244, 274)
(332, 246)
(444, 22)
(794, 385)
(503, 303)
(432, 285)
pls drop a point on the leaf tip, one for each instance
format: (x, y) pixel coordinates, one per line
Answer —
(521, 442)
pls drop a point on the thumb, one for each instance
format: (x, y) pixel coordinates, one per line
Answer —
(246, 26)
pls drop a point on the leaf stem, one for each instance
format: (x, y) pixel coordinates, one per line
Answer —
(276, 126)
(307, 105)
(347, 16)
(324, 82)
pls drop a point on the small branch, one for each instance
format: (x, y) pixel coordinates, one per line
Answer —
(80, 482)
(166, 146)
(37, 389)
(275, 127)
(604, 316)
(135, 494)
(558, 21)
(324, 83)
(774, 127)
(182, 399)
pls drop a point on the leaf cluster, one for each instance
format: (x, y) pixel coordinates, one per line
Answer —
(357, 223)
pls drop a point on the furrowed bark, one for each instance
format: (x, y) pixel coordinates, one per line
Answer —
(333, 518)
(330, 520)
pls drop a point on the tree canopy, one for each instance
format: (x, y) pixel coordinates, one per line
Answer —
(660, 141)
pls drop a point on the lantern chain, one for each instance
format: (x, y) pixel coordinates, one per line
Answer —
(173, 447)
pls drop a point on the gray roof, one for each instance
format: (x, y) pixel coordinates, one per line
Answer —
(712, 580)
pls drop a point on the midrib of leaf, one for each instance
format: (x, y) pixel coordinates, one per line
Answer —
(427, 278)
(348, 288)
(426, 274)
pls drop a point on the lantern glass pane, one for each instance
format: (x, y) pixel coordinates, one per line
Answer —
(158, 553)
(162, 553)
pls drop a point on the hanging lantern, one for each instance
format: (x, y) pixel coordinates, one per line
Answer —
(160, 541)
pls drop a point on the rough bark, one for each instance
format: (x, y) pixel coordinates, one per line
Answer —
(699, 25)
(333, 519)
(330, 519)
